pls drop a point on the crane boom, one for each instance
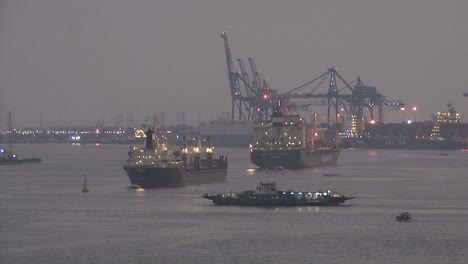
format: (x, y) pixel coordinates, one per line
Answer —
(245, 76)
(257, 83)
(233, 79)
(235, 91)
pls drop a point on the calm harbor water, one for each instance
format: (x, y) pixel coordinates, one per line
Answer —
(45, 218)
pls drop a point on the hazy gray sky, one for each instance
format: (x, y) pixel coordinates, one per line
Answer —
(74, 61)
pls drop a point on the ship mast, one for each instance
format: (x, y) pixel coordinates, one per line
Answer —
(10, 134)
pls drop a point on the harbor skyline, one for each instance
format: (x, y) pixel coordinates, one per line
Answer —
(65, 63)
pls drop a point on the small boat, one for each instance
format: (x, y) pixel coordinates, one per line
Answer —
(403, 217)
(85, 185)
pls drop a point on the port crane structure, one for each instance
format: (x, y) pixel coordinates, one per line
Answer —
(254, 99)
(341, 98)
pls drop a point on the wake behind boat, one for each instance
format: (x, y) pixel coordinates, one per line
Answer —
(267, 195)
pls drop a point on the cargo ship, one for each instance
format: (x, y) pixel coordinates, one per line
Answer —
(286, 141)
(159, 165)
(268, 195)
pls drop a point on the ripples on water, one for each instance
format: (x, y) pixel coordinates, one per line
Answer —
(45, 218)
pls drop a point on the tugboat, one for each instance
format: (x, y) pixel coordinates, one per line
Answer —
(159, 165)
(7, 157)
(286, 141)
(268, 195)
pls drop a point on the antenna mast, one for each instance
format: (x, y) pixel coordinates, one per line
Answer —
(10, 134)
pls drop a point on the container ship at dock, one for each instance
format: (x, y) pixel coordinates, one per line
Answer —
(444, 132)
(286, 141)
(160, 165)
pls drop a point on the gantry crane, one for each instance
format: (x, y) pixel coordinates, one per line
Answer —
(256, 100)
(341, 97)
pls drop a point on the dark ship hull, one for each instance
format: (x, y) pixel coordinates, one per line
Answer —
(272, 200)
(19, 161)
(147, 176)
(293, 158)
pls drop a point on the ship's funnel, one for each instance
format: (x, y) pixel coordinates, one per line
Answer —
(149, 139)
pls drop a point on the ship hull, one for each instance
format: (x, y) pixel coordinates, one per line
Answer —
(146, 176)
(293, 158)
(274, 200)
(19, 161)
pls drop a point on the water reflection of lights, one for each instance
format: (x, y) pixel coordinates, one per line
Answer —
(250, 171)
(197, 188)
(140, 191)
(372, 153)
